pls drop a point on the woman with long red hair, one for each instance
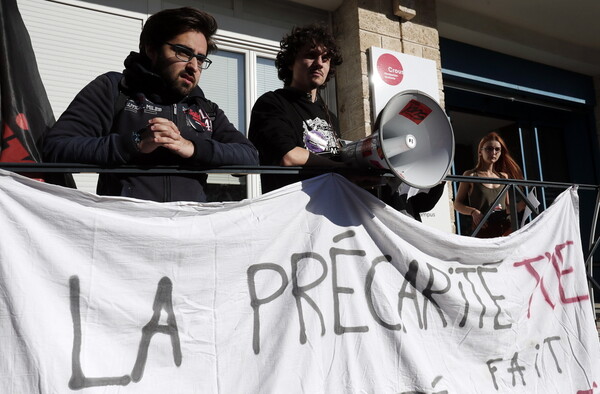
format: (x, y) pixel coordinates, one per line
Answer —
(475, 199)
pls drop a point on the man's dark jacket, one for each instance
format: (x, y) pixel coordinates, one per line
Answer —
(98, 126)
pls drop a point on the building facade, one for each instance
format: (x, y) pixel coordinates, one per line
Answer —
(519, 69)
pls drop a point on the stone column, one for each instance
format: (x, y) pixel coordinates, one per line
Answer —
(406, 26)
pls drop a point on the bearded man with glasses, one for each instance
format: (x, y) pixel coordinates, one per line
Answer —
(153, 113)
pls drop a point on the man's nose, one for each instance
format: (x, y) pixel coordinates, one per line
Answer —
(193, 64)
(319, 61)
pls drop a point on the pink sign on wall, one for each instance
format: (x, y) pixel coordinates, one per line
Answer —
(395, 72)
(390, 69)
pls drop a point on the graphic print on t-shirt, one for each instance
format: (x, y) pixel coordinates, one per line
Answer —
(320, 137)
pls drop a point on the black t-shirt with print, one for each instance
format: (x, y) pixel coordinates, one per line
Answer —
(285, 119)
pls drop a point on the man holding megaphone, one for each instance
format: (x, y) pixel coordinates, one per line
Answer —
(293, 126)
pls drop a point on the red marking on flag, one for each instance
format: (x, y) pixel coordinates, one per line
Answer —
(13, 150)
(21, 121)
(415, 111)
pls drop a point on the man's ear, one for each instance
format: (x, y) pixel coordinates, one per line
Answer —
(152, 53)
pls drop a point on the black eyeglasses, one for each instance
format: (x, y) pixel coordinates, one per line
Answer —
(186, 55)
(492, 149)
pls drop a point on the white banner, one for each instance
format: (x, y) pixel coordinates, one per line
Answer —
(315, 288)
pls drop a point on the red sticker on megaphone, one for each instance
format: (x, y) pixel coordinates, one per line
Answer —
(415, 111)
(390, 69)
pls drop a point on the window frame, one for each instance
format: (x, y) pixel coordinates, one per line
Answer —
(252, 48)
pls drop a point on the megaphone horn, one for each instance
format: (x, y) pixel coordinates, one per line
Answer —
(414, 141)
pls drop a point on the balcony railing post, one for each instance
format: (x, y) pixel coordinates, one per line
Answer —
(593, 245)
(514, 214)
(490, 210)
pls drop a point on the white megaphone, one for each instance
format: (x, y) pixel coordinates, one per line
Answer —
(414, 141)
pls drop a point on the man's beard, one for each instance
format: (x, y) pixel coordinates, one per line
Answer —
(174, 85)
(179, 88)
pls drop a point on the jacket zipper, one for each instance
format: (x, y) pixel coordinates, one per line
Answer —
(168, 177)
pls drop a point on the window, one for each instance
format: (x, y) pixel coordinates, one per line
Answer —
(62, 50)
(63, 54)
(224, 83)
(238, 76)
(266, 76)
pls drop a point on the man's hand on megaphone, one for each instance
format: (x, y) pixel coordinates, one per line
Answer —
(303, 157)
(359, 179)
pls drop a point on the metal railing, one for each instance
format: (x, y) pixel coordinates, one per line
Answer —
(515, 189)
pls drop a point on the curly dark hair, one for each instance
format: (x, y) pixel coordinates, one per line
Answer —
(166, 24)
(291, 44)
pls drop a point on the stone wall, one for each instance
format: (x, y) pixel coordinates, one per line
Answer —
(360, 24)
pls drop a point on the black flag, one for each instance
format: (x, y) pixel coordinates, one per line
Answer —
(25, 110)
